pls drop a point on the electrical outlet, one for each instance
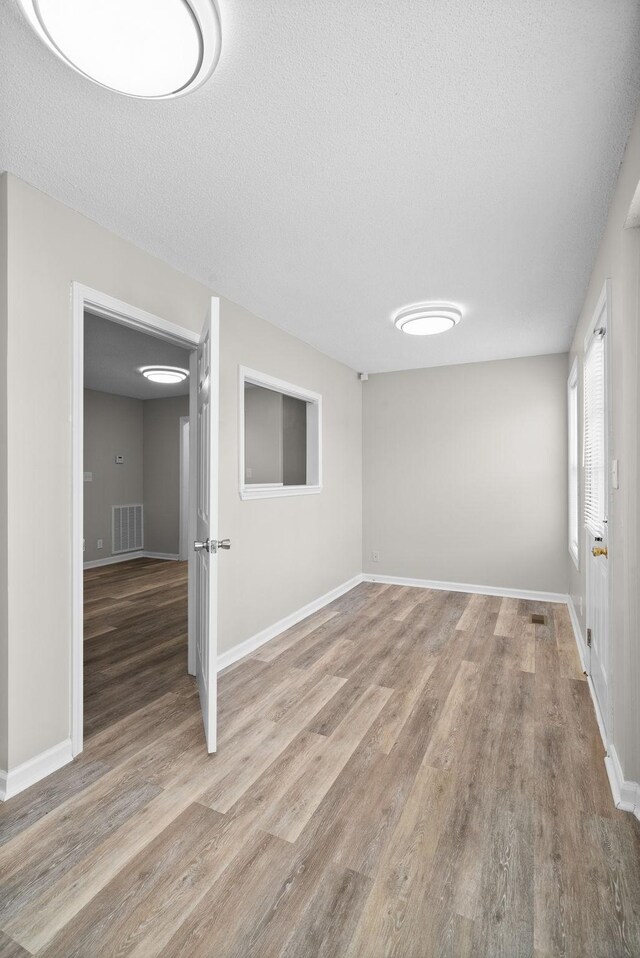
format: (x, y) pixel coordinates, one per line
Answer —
(99, 544)
(375, 556)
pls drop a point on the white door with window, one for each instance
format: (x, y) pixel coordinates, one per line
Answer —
(204, 437)
(596, 505)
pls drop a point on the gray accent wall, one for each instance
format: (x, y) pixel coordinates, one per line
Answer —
(113, 425)
(161, 473)
(294, 441)
(262, 434)
(464, 474)
(147, 434)
(275, 437)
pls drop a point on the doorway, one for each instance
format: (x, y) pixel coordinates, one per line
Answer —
(200, 497)
(136, 406)
(596, 505)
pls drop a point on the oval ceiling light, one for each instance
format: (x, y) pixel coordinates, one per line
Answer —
(142, 48)
(427, 319)
(164, 374)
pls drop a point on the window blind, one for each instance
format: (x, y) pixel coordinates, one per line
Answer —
(595, 508)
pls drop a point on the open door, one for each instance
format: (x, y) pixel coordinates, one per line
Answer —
(204, 437)
(596, 505)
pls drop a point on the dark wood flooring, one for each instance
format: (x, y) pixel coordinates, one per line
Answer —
(407, 773)
(135, 633)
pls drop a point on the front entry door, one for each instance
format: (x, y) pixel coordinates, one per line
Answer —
(596, 478)
(205, 434)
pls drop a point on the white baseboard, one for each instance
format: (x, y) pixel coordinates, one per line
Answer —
(577, 631)
(127, 556)
(584, 659)
(250, 645)
(626, 795)
(167, 556)
(112, 560)
(30, 772)
(596, 709)
(466, 587)
(253, 643)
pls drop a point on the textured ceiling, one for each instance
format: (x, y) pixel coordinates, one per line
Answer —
(347, 158)
(113, 355)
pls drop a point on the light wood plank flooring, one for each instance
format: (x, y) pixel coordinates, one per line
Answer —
(407, 773)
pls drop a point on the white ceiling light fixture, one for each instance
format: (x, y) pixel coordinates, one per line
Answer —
(427, 319)
(142, 48)
(164, 374)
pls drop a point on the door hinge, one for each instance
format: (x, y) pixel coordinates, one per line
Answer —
(588, 638)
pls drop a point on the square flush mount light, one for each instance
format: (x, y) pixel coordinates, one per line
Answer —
(143, 48)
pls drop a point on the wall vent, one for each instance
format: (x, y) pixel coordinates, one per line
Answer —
(127, 529)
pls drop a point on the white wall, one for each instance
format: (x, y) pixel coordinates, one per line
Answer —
(285, 552)
(50, 246)
(112, 426)
(464, 473)
(619, 260)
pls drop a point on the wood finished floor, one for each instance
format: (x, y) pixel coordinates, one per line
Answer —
(135, 630)
(407, 773)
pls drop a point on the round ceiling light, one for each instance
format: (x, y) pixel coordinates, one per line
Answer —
(164, 374)
(427, 319)
(142, 48)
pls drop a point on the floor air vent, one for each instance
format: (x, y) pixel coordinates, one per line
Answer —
(538, 619)
(127, 529)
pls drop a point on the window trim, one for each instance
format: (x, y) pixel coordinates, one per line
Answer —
(314, 437)
(573, 448)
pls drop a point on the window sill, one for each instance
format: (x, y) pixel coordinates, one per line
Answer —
(273, 492)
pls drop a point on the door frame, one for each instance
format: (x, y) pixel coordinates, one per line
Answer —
(603, 306)
(183, 548)
(101, 304)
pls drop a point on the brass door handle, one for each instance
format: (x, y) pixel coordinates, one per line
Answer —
(599, 551)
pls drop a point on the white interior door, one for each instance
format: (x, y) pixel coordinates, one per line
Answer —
(205, 438)
(596, 478)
